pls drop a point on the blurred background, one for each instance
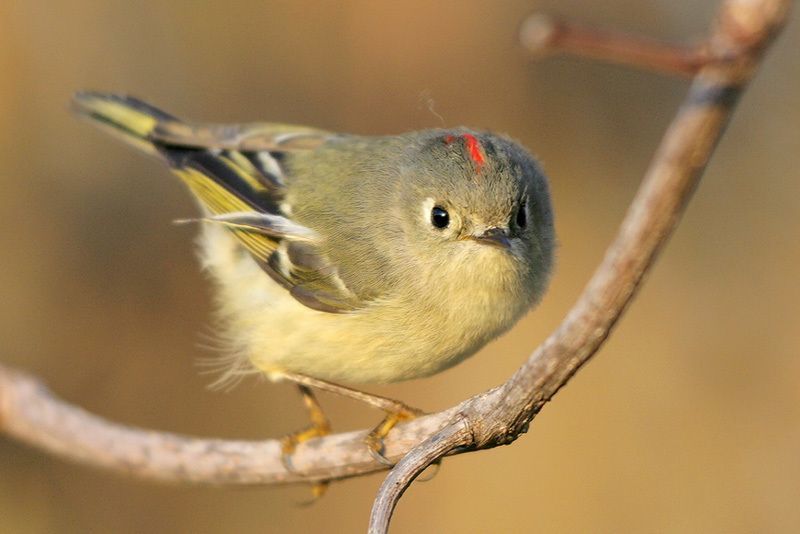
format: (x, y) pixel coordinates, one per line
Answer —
(687, 421)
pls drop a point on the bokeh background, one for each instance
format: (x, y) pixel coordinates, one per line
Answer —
(687, 421)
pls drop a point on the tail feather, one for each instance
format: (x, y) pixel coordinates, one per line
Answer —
(125, 117)
(235, 184)
(223, 181)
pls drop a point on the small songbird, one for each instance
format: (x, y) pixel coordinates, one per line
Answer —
(344, 258)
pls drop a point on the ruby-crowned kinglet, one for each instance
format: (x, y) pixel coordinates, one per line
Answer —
(351, 258)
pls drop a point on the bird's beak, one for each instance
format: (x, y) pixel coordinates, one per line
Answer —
(496, 237)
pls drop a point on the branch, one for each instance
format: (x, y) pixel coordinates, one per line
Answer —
(403, 474)
(543, 35)
(31, 414)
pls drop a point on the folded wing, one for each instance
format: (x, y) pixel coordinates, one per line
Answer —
(237, 174)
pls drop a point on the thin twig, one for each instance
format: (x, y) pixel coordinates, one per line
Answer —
(543, 35)
(415, 462)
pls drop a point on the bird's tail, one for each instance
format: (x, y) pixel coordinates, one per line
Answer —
(227, 183)
(125, 117)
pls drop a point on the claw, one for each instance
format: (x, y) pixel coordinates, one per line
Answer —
(396, 412)
(437, 466)
(318, 489)
(290, 442)
(374, 440)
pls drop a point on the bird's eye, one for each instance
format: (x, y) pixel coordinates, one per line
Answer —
(522, 216)
(439, 217)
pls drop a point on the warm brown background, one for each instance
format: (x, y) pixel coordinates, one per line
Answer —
(687, 421)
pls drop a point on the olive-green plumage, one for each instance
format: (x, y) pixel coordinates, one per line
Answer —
(349, 258)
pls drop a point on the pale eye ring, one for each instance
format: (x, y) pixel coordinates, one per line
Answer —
(440, 218)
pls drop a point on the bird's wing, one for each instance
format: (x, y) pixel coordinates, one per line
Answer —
(237, 174)
(254, 137)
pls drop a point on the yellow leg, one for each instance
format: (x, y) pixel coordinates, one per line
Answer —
(396, 411)
(374, 439)
(319, 427)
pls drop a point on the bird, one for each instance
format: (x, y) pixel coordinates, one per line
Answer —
(342, 260)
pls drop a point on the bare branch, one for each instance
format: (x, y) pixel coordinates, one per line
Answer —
(742, 31)
(33, 415)
(543, 35)
(403, 474)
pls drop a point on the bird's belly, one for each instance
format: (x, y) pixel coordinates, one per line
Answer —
(383, 342)
(373, 345)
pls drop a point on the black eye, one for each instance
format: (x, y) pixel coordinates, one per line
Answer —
(439, 217)
(522, 217)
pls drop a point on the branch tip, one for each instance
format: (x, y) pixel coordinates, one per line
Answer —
(538, 33)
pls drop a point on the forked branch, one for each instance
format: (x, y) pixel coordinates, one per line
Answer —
(722, 67)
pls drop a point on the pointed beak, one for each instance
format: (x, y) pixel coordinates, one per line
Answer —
(496, 237)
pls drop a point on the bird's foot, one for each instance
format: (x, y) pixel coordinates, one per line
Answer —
(318, 428)
(374, 439)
